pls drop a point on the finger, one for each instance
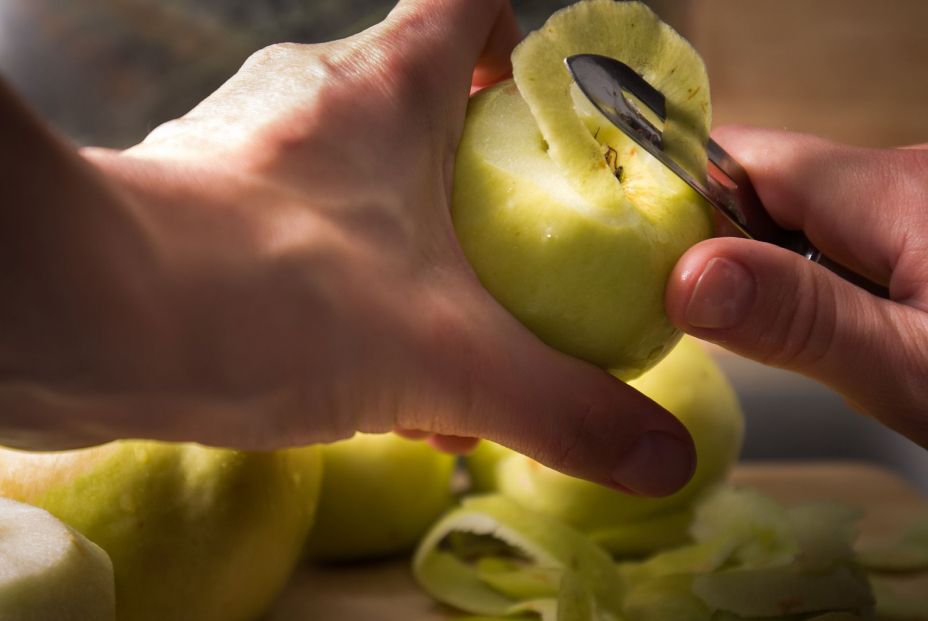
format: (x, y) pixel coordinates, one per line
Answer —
(495, 62)
(412, 434)
(456, 445)
(570, 415)
(776, 307)
(450, 43)
(838, 195)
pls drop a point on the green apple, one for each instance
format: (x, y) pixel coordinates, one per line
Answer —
(49, 571)
(193, 532)
(380, 494)
(482, 463)
(689, 384)
(566, 221)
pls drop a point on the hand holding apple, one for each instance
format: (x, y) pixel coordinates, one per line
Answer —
(280, 267)
(689, 384)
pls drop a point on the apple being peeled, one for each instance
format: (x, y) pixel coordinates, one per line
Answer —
(690, 385)
(48, 571)
(380, 494)
(194, 533)
(566, 221)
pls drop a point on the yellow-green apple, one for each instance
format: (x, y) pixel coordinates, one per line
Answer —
(566, 221)
(482, 463)
(194, 533)
(689, 384)
(49, 571)
(380, 493)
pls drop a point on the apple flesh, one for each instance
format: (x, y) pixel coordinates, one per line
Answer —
(380, 494)
(50, 571)
(689, 384)
(193, 532)
(566, 221)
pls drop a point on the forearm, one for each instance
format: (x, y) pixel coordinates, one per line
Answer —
(72, 287)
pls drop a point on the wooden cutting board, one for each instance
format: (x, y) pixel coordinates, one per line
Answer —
(385, 591)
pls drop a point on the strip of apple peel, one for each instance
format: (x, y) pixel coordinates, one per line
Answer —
(665, 599)
(632, 33)
(643, 537)
(898, 598)
(543, 541)
(784, 590)
(908, 552)
(517, 581)
(756, 527)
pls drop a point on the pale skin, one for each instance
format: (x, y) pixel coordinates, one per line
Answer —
(279, 267)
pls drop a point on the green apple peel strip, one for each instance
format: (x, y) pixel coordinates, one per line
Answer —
(750, 558)
(545, 542)
(632, 33)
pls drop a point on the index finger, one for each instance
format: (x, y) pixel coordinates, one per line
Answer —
(855, 204)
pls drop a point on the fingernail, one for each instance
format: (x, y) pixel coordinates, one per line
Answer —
(656, 464)
(722, 296)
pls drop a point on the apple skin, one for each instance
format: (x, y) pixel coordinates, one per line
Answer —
(482, 463)
(588, 280)
(380, 494)
(689, 384)
(194, 533)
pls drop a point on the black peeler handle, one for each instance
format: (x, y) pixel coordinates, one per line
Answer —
(727, 186)
(737, 199)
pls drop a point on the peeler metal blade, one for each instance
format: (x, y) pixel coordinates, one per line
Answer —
(606, 81)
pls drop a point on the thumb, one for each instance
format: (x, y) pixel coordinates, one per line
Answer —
(578, 419)
(778, 308)
(450, 44)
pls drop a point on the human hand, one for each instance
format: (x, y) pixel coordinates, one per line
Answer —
(866, 208)
(302, 279)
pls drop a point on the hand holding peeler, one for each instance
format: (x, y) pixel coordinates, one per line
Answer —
(727, 186)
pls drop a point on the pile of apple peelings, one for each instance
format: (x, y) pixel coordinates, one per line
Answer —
(748, 558)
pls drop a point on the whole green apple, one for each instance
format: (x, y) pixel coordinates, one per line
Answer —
(49, 571)
(565, 220)
(481, 464)
(689, 384)
(194, 533)
(380, 493)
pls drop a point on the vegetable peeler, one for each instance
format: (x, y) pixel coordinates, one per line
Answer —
(727, 186)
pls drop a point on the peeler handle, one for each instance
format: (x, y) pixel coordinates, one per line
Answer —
(738, 200)
(852, 277)
(726, 186)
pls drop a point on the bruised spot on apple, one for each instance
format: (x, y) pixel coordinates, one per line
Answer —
(380, 494)
(689, 384)
(566, 221)
(194, 533)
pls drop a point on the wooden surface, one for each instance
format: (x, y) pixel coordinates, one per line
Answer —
(850, 70)
(385, 591)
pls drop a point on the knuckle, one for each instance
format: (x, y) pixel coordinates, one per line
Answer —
(571, 440)
(804, 330)
(408, 72)
(274, 54)
(909, 330)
